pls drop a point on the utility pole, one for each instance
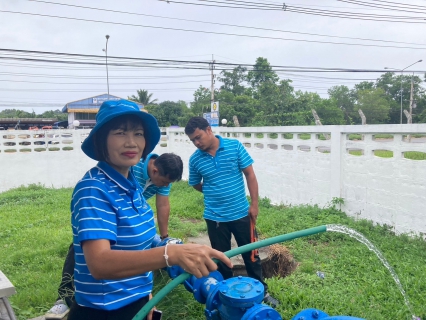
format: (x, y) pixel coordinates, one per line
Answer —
(411, 96)
(106, 61)
(212, 80)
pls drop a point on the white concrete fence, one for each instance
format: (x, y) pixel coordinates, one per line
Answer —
(294, 165)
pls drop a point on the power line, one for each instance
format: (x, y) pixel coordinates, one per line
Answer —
(216, 33)
(398, 7)
(222, 24)
(22, 74)
(186, 64)
(93, 83)
(303, 10)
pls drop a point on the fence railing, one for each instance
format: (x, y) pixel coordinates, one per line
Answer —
(379, 171)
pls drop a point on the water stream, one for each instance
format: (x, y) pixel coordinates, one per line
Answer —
(358, 236)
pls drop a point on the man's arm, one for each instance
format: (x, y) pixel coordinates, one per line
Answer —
(163, 211)
(254, 192)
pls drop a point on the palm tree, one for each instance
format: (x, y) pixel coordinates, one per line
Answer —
(143, 97)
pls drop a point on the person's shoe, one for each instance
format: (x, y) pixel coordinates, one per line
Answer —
(58, 311)
(268, 299)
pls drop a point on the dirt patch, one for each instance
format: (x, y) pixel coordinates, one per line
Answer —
(280, 262)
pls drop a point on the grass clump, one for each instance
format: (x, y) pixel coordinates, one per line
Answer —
(415, 155)
(35, 234)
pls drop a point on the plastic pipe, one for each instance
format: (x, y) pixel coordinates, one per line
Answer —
(231, 253)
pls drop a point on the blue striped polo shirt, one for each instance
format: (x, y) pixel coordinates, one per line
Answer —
(106, 205)
(223, 183)
(141, 173)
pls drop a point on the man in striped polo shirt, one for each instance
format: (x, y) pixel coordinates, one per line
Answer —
(155, 175)
(216, 169)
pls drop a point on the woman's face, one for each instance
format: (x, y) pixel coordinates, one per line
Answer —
(125, 146)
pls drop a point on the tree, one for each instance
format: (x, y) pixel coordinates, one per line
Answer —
(143, 97)
(233, 81)
(341, 97)
(8, 113)
(329, 113)
(241, 106)
(364, 85)
(202, 101)
(278, 106)
(262, 72)
(58, 114)
(374, 104)
(391, 84)
(169, 113)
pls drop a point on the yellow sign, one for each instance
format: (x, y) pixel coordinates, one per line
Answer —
(215, 106)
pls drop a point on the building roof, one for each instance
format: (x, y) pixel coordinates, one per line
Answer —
(91, 104)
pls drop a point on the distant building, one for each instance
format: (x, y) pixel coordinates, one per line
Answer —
(85, 110)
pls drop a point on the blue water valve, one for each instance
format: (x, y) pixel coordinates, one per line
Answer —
(314, 314)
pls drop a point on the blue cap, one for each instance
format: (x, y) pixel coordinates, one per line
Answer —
(114, 108)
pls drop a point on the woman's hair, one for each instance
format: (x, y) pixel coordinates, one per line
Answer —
(125, 122)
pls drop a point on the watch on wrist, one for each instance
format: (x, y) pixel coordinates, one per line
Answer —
(164, 237)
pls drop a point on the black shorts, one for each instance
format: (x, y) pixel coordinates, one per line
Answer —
(78, 312)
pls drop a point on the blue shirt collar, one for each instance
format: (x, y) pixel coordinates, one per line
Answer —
(125, 184)
(145, 165)
(221, 146)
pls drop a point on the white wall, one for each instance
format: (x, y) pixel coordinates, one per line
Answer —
(51, 168)
(385, 190)
(289, 171)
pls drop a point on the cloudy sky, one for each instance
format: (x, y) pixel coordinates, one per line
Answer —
(307, 34)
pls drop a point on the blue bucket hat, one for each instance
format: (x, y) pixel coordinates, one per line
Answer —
(114, 108)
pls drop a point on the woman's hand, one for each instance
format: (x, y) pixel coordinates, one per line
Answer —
(196, 259)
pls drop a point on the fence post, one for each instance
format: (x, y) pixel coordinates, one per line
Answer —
(336, 162)
(363, 118)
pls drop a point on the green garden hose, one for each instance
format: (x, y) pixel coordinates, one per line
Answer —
(231, 253)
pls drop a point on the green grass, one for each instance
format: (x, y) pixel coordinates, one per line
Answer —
(383, 136)
(356, 152)
(358, 136)
(415, 155)
(35, 234)
(412, 155)
(322, 136)
(355, 136)
(377, 153)
(383, 153)
(273, 135)
(304, 136)
(287, 136)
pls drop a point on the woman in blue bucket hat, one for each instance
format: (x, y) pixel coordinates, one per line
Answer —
(113, 225)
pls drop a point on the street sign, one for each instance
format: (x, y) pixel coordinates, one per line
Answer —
(212, 118)
(215, 106)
